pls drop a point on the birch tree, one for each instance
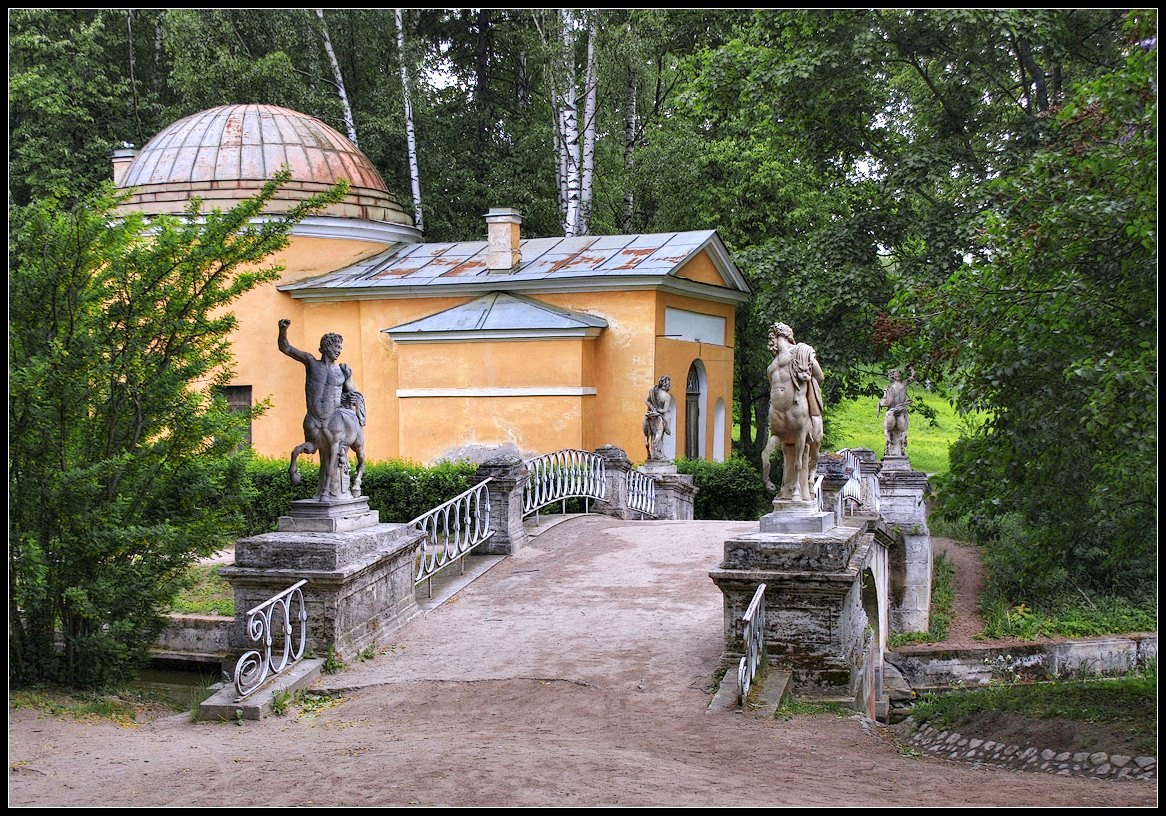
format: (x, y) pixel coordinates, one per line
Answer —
(410, 135)
(589, 111)
(349, 122)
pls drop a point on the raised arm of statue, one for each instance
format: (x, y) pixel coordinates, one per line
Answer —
(287, 348)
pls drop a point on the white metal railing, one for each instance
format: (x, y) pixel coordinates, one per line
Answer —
(641, 493)
(255, 666)
(819, 493)
(852, 490)
(452, 530)
(754, 637)
(562, 475)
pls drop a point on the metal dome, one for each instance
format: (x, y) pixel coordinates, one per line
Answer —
(250, 142)
(226, 153)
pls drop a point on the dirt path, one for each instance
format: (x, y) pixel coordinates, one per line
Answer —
(571, 674)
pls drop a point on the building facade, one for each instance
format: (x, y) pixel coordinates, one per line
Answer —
(539, 344)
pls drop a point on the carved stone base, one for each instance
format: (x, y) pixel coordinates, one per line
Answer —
(792, 516)
(654, 467)
(311, 516)
(815, 623)
(359, 590)
(896, 463)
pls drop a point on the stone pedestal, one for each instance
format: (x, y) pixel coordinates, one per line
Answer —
(791, 516)
(360, 581)
(815, 620)
(658, 467)
(311, 516)
(618, 466)
(902, 504)
(675, 495)
(508, 475)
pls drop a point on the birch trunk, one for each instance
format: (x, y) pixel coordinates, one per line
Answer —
(591, 91)
(339, 78)
(570, 117)
(410, 135)
(629, 150)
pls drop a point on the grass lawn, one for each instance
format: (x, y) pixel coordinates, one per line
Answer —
(207, 593)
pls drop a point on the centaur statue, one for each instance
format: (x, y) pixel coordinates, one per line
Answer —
(335, 419)
(795, 412)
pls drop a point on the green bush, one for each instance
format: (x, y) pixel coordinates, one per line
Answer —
(401, 491)
(726, 490)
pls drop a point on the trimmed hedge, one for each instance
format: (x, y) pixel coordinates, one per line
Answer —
(730, 490)
(401, 491)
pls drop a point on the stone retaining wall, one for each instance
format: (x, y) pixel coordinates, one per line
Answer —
(1098, 764)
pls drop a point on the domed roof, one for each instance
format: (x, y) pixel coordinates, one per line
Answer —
(225, 154)
(250, 142)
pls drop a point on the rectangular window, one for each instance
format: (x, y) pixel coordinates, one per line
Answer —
(238, 399)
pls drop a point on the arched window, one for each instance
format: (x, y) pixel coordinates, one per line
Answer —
(694, 411)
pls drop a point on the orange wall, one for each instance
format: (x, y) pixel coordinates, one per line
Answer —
(622, 363)
(675, 357)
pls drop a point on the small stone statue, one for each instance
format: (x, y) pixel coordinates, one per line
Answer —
(795, 412)
(895, 400)
(335, 419)
(657, 421)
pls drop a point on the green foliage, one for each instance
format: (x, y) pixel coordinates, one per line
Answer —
(122, 468)
(791, 708)
(333, 663)
(1074, 618)
(122, 706)
(1051, 330)
(281, 701)
(204, 592)
(399, 490)
(726, 490)
(1130, 704)
(942, 606)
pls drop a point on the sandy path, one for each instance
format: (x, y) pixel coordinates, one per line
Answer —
(571, 674)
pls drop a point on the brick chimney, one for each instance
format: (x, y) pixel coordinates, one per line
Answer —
(503, 231)
(121, 159)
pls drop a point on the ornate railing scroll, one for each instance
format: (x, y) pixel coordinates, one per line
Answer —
(641, 493)
(255, 666)
(563, 475)
(452, 530)
(754, 637)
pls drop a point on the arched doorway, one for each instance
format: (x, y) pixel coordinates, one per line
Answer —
(695, 410)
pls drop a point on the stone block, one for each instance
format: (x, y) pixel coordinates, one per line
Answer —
(359, 584)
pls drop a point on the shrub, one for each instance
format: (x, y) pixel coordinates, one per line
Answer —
(401, 491)
(726, 490)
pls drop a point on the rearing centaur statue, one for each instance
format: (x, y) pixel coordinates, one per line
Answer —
(335, 420)
(795, 412)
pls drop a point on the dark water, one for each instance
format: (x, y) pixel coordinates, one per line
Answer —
(184, 687)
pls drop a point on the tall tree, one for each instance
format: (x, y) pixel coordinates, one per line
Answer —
(414, 171)
(338, 78)
(122, 468)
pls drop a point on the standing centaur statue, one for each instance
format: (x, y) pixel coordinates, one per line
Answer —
(795, 412)
(335, 419)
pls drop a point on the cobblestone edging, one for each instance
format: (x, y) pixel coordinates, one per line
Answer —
(1098, 764)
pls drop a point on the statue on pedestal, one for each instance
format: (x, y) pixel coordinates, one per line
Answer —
(657, 421)
(896, 402)
(795, 412)
(335, 419)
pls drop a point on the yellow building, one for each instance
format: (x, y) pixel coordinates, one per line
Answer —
(541, 343)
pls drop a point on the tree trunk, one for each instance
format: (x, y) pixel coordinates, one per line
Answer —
(629, 148)
(158, 53)
(349, 123)
(410, 135)
(591, 92)
(133, 73)
(570, 120)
